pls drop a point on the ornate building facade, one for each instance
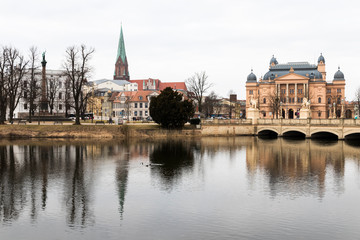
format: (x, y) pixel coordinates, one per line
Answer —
(286, 88)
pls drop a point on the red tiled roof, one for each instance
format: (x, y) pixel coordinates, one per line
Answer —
(173, 85)
(127, 93)
(141, 96)
(113, 96)
(135, 95)
(160, 85)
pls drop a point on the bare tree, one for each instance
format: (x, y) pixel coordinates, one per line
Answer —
(85, 96)
(77, 70)
(34, 88)
(198, 85)
(67, 97)
(17, 65)
(3, 85)
(357, 100)
(274, 101)
(209, 104)
(53, 87)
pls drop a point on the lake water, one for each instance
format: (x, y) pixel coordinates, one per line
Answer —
(209, 188)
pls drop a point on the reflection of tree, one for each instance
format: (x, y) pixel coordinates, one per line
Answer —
(12, 199)
(78, 190)
(175, 157)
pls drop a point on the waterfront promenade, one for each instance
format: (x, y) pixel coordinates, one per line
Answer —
(304, 128)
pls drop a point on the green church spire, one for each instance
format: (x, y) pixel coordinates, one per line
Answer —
(121, 65)
(121, 47)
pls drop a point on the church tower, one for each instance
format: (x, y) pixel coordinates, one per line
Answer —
(121, 64)
(321, 66)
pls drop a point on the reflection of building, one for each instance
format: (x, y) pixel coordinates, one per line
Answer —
(284, 88)
(296, 166)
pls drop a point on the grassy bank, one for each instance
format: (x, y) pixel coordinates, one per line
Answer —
(90, 131)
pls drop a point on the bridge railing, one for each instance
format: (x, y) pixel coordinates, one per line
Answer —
(282, 121)
(309, 121)
(226, 121)
(348, 122)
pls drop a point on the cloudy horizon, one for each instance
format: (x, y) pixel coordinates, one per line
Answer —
(171, 40)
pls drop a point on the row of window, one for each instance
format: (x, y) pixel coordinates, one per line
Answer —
(140, 105)
(300, 91)
(26, 84)
(26, 106)
(337, 90)
(135, 113)
(26, 95)
(141, 113)
(299, 100)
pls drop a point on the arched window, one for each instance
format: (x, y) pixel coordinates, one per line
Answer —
(319, 100)
(338, 101)
(264, 100)
(329, 100)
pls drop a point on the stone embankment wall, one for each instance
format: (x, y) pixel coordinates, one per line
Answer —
(114, 131)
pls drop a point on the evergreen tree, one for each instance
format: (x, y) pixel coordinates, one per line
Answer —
(170, 110)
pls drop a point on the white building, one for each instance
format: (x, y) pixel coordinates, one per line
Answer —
(55, 76)
(115, 85)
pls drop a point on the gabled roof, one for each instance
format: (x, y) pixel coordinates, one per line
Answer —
(135, 96)
(113, 96)
(173, 85)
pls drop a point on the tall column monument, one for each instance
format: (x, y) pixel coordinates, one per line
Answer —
(44, 101)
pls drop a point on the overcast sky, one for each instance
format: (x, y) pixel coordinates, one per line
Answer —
(172, 39)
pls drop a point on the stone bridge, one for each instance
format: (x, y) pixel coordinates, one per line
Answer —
(307, 128)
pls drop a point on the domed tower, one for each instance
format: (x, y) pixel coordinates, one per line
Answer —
(321, 66)
(251, 89)
(338, 76)
(273, 61)
(251, 77)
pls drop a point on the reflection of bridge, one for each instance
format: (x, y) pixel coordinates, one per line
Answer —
(308, 128)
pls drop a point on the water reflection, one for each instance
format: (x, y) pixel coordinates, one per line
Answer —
(45, 177)
(170, 159)
(297, 167)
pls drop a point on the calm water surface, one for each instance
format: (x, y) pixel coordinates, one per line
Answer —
(213, 188)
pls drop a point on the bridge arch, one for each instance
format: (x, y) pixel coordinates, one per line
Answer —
(292, 133)
(328, 134)
(268, 133)
(354, 134)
